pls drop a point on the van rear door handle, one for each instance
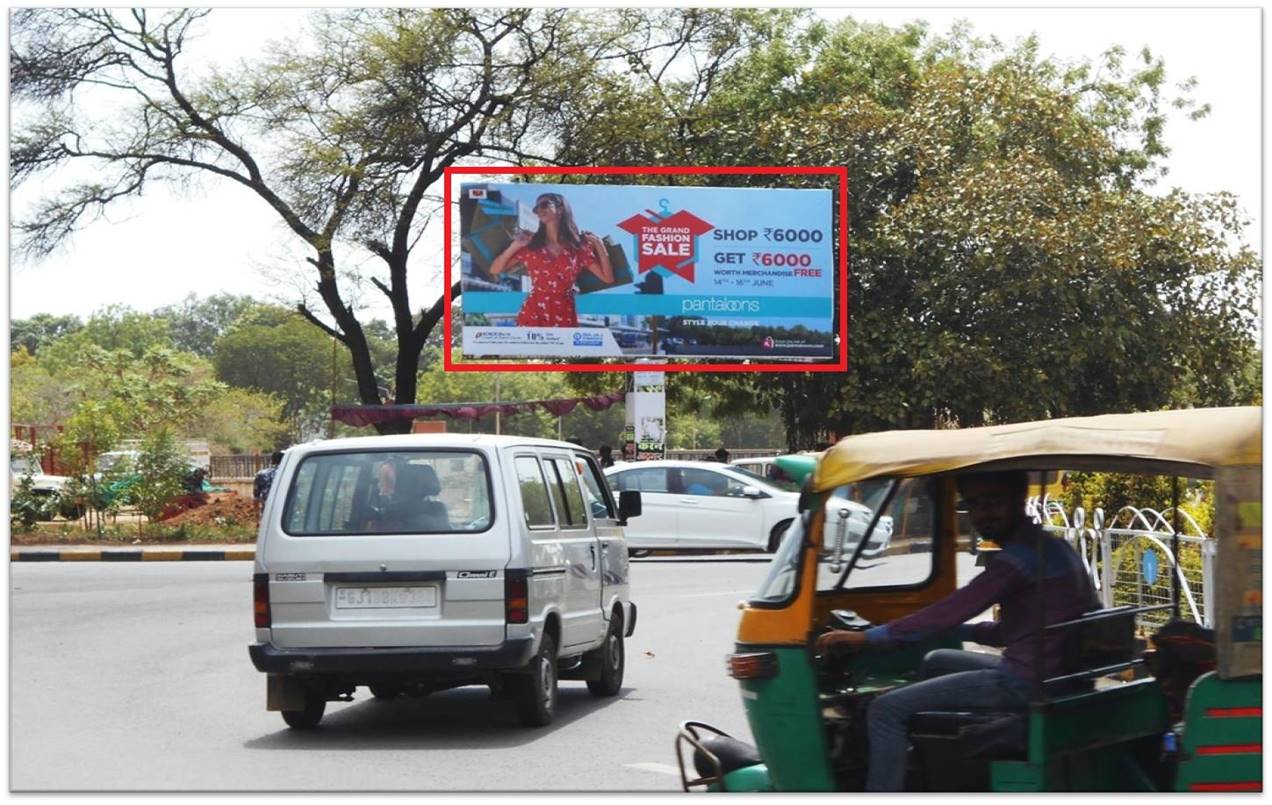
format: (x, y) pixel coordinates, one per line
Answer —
(592, 550)
(690, 501)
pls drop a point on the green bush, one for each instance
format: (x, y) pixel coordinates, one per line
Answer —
(162, 467)
(26, 508)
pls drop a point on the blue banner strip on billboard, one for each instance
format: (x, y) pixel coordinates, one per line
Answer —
(661, 305)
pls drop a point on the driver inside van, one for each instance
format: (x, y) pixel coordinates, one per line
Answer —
(404, 499)
(995, 502)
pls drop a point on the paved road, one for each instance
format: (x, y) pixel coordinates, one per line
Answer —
(136, 677)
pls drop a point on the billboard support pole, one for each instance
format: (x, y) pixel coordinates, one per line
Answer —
(498, 414)
(647, 413)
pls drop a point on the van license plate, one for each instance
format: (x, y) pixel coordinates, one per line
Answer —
(385, 597)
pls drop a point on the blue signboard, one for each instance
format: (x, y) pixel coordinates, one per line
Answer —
(607, 270)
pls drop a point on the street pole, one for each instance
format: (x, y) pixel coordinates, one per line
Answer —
(498, 415)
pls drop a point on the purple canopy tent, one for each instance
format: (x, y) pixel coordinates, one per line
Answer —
(361, 415)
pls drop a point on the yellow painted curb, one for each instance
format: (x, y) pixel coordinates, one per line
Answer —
(248, 553)
(161, 556)
(81, 556)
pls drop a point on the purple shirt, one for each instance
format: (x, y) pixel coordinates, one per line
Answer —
(1008, 580)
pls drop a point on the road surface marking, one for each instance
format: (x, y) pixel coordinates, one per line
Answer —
(661, 768)
(710, 595)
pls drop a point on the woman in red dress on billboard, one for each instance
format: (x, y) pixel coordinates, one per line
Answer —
(554, 255)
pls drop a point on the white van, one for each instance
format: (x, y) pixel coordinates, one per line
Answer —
(409, 564)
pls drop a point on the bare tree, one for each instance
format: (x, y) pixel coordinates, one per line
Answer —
(342, 135)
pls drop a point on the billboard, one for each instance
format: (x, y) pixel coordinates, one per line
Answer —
(587, 271)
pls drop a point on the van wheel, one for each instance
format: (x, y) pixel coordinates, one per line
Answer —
(535, 694)
(309, 717)
(775, 536)
(612, 658)
(386, 691)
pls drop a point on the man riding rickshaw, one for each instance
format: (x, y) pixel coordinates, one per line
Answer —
(852, 673)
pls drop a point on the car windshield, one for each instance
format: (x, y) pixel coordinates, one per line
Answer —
(389, 492)
(24, 465)
(108, 461)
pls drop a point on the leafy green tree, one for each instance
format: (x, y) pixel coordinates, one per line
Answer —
(275, 351)
(195, 324)
(242, 421)
(344, 136)
(161, 388)
(42, 328)
(1009, 260)
(114, 328)
(36, 396)
(162, 467)
(92, 429)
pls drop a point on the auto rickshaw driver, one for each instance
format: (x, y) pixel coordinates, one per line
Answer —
(995, 502)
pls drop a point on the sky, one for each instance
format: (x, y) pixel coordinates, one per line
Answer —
(216, 238)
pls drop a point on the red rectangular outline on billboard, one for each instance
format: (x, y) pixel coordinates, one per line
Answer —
(449, 365)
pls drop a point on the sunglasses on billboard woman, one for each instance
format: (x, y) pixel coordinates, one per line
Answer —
(545, 204)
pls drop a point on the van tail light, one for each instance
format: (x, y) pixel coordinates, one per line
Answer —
(516, 597)
(260, 599)
(752, 665)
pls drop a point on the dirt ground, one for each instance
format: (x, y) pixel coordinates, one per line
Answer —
(226, 517)
(222, 508)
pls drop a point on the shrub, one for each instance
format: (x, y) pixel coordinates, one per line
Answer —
(162, 467)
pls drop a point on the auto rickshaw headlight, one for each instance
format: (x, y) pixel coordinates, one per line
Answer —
(752, 665)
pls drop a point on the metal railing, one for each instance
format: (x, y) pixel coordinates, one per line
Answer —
(242, 466)
(1115, 555)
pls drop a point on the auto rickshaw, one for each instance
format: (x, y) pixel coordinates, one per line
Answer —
(1114, 727)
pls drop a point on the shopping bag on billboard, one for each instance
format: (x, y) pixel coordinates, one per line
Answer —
(492, 229)
(588, 282)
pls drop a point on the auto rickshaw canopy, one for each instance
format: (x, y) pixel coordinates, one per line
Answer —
(1189, 442)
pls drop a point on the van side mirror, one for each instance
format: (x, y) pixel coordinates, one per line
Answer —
(628, 505)
(753, 492)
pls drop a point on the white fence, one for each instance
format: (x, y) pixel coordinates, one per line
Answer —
(1124, 555)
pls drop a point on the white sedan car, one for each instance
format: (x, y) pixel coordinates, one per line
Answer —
(705, 505)
(697, 504)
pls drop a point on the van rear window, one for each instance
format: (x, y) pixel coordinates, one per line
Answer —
(389, 492)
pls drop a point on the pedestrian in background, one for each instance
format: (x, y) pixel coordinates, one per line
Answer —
(722, 455)
(265, 479)
(607, 456)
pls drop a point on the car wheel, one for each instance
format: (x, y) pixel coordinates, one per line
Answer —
(775, 536)
(386, 691)
(613, 659)
(307, 718)
(535, 694)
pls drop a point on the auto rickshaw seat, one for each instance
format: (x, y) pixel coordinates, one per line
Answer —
(955, 747)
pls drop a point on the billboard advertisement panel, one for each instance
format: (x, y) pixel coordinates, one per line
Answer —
(586, 271)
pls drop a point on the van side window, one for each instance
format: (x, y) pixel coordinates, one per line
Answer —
(565, 493)
(534, 492)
